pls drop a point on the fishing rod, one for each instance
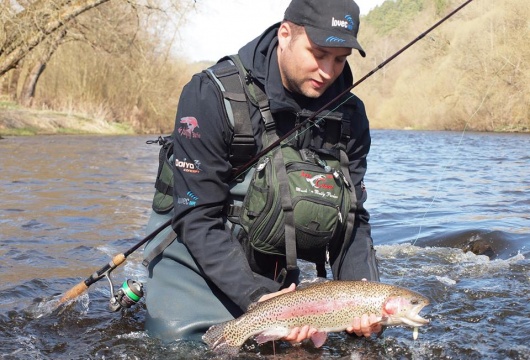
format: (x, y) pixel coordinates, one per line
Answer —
(131, 291)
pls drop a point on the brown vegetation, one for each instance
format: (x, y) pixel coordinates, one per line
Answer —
(472, 72)
(113, 61)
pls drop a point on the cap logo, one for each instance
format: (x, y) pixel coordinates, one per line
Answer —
(347, 24)
(335, 39)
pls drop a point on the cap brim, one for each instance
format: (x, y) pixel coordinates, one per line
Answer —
(324, 39)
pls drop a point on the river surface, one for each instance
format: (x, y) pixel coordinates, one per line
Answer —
(70, 203)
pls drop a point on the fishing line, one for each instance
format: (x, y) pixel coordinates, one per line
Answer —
(437, 190)
(450, 161)
(444, 169)
(438, 185)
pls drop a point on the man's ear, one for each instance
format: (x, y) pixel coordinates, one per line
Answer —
(284, 35)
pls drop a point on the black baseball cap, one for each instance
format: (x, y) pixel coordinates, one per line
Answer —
(328, 23)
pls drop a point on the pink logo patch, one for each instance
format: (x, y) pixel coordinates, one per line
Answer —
(188, 130)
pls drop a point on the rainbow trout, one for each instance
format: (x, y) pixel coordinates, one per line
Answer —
(328, 306)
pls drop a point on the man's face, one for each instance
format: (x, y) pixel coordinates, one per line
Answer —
(305, 67)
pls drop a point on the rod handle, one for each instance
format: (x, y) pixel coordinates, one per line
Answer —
(74, 292)
(118, 260)
(83, 285)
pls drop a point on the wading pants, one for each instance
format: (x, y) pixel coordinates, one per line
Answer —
(181, 304)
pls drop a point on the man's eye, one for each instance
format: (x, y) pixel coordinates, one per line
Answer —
(319, 54)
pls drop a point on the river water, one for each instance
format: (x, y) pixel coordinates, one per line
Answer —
(70, 203)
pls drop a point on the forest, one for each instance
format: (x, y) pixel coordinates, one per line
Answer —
(472, 72)
(114, 61)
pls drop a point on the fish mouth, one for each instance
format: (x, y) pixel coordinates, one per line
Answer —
(412, 318)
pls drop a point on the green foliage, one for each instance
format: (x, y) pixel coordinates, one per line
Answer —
(440, 6)
(8, 105)
(19, 131)
(393, 14)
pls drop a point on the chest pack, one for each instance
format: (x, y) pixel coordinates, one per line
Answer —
(299, 199)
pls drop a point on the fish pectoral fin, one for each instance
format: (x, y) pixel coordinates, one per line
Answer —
(227, 349)
(319, 338)
(216, 340)
(271, 334)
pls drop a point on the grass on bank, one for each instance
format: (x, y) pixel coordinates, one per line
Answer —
(19, 121)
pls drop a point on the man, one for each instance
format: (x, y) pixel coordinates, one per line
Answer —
(209, 275)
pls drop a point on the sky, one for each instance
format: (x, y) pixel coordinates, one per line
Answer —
(220, 27)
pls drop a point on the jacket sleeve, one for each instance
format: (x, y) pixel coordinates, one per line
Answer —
(201, 173)
(357, 260)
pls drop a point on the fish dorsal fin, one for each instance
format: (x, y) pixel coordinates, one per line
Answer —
(252, 306)
(306, 284)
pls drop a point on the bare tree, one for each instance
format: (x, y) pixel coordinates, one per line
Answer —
(115, 62)
(30, 84)
(24, 30)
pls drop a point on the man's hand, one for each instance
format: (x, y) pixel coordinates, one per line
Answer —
(365, 326)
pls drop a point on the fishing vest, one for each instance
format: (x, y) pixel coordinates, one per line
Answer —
(295, 201)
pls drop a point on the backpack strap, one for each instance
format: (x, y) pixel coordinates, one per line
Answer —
(238, 88)
(345, 135)
(287, 206)
(350, 218)
(288, 212)
(226, 76)
(258, 97)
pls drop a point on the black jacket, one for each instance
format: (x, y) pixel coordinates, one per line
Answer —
(202, 171)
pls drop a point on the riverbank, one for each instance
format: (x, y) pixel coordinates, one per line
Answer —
(17, 121)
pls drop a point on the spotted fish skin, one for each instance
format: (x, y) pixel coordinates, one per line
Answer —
(329, 307)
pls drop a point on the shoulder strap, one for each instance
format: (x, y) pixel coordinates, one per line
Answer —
(233, 87)
(238, 89)
(254, 93)
(228, 79)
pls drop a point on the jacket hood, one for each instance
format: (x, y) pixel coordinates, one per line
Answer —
(259, 57)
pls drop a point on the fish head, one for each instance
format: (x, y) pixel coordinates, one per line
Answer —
(403, 307)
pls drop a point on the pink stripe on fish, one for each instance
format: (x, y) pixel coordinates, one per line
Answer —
(316, 307)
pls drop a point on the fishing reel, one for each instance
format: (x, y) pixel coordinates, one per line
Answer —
(129, 294)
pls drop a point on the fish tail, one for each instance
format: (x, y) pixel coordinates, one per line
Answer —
(216, 340)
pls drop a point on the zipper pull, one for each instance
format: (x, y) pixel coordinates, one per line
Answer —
(262, 164)
(339, 213)
(326, 167)
(346, 182)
